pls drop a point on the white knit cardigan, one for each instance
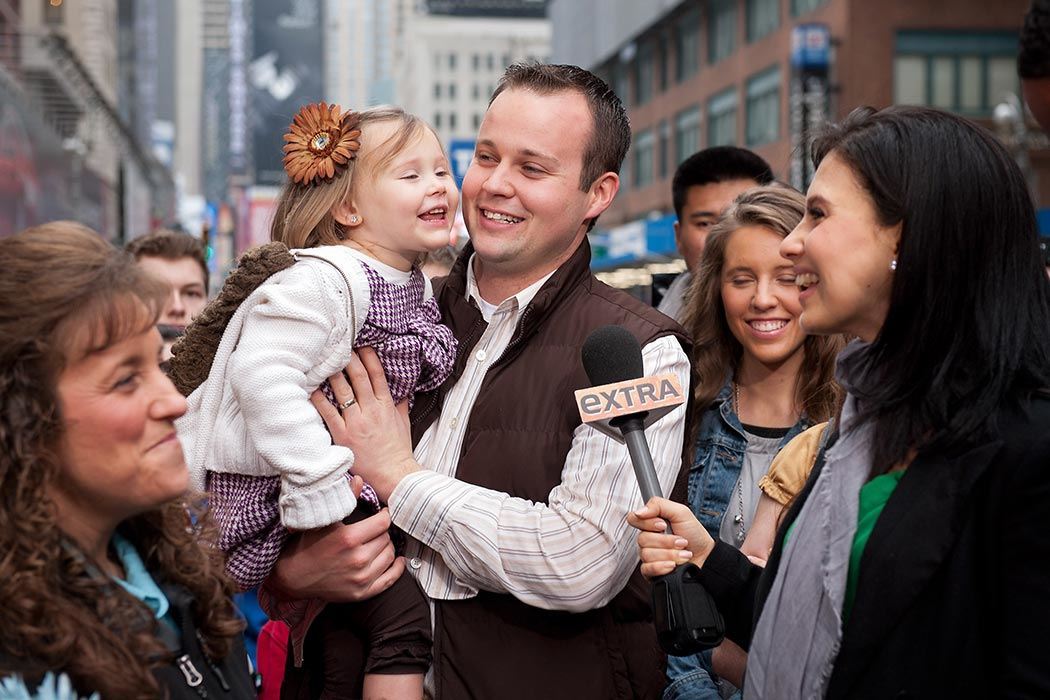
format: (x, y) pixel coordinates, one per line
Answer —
(253, 414)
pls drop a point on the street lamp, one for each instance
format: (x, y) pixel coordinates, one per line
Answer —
(1012, 127)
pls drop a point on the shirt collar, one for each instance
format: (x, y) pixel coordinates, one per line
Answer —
(137, 580)
(513, 303)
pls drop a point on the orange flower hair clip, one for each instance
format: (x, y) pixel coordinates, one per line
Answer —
(321, 141)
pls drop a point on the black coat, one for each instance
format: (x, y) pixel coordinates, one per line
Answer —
(953, 597)
(192, 676)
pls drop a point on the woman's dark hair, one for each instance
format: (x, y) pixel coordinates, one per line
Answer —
(65, 294)
(968, 327)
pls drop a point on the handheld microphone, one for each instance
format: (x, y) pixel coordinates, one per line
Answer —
(622, 399)
(685, 615)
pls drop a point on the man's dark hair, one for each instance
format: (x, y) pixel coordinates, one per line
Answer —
(717, 164)
(169, 245)
(1034, 58)
(611, 130)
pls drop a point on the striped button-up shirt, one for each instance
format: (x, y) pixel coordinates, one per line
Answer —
(573, 553)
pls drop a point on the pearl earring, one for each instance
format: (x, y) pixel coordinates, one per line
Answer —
(893, 265)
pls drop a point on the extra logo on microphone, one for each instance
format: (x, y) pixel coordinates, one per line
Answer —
(602, 403)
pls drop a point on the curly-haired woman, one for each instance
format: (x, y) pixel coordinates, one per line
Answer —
(106, 578)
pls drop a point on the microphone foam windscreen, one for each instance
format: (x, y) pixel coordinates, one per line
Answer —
(611, 354)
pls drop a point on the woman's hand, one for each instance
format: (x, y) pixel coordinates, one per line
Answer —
(373, 427)
(661, 552)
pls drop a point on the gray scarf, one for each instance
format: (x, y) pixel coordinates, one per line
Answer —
(800, 627)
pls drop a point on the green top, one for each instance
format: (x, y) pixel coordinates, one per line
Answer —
(873, 498)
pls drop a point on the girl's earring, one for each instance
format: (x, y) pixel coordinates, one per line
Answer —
(355, 219)
(893, 265)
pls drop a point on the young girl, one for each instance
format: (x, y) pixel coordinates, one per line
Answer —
(369, 194)
(761, 380)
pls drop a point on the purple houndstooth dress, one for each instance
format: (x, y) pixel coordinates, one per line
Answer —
(417, 353)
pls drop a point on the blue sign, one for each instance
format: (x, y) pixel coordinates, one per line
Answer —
(1043, 219)
(460, 153)
(633, 242)
(811, 46)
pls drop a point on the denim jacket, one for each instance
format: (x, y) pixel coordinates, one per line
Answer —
(717, 461)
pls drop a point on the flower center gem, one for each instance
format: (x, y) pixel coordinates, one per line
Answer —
(320, 142)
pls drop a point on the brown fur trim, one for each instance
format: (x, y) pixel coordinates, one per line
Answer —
(193, 353)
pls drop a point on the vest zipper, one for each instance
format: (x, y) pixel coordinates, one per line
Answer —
(516, 338)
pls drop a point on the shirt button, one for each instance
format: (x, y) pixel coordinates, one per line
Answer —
(480, 355)
(415, 563)
(453, 423)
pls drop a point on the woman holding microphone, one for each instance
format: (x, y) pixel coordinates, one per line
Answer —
(912, 564)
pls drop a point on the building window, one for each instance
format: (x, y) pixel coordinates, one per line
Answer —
(437, 120)
(969, 73)
(686, 134)
(721, 29)
(437, 91)
(490, 61)
(763, 107)
(475, 91)
(475, 62)
(643, 74)
(620, 82)
(643, 159)
(452, 120)
(799, 7)
(763, 17)
(660, 65)
(477, 121)
(452, 91)
(721, 119)
(687, 42)
(662, 148)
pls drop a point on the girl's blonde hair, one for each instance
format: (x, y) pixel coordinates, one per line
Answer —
(304, 216)
(716, 351)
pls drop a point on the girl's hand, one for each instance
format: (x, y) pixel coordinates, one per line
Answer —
(661, 552)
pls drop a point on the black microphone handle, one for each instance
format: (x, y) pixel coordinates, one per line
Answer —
(633, 430)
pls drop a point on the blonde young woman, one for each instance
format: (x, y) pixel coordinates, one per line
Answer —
(761, 380)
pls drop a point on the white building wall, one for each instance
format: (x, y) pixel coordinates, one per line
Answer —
(359, 52)
(451, 65)
(189, 75)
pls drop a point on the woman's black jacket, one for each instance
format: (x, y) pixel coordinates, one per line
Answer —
(953, 598)
(192, 675)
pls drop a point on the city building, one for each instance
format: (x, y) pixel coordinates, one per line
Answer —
(453, 53)
(69, 146)
(699, 73)
(360, 48)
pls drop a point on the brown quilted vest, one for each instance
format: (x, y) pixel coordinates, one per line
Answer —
(518, 435)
